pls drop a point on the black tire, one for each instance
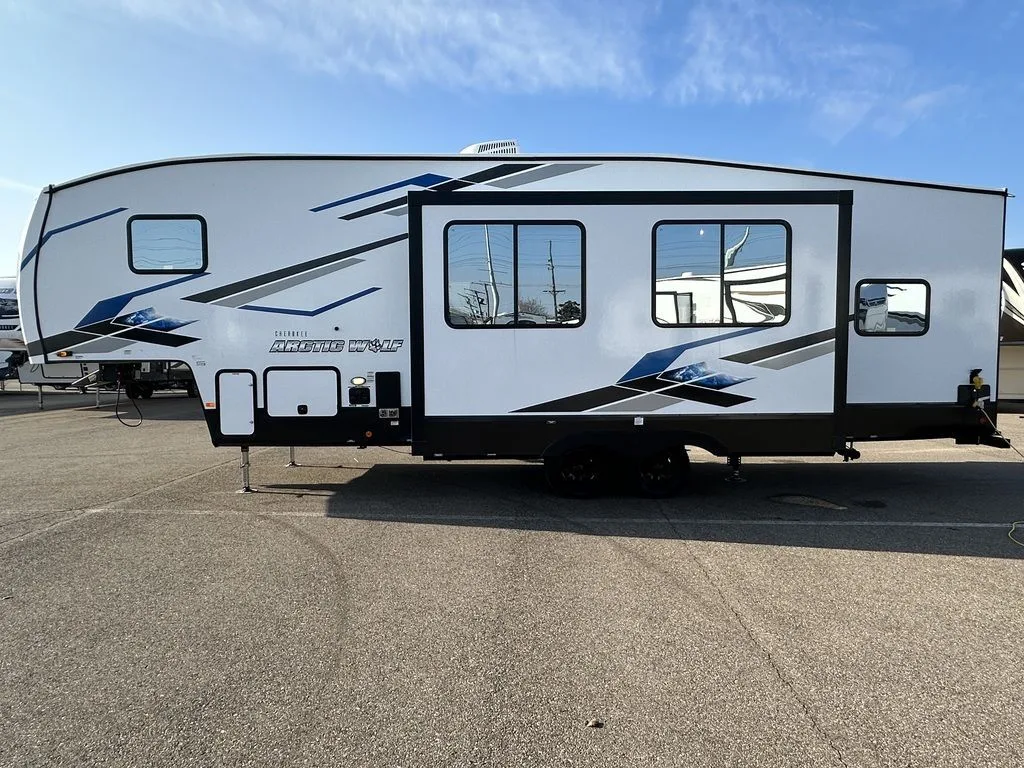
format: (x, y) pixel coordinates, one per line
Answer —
(146, 391)
(191, 390)
(581, 473)
(132, 390)
(662, 474)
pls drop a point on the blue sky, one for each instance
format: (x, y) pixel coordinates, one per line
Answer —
(923, 89)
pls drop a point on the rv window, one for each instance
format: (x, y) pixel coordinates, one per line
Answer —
(514, 275)
(721, 273)
(892, 307)
(167, 244)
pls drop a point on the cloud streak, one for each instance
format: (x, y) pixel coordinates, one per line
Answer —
(513, 46)
(836, 69)
(754, 51)
(18, 186)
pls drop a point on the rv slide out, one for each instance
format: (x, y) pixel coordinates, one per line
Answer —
(591, 311)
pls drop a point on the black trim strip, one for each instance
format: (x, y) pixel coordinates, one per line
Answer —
(789, 345)
(842, 330)
(659, 197)
(543, 159)
(268, 277)
(39, 346)
(416, 320)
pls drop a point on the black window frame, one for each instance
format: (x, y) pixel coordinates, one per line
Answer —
(888, 281)
(723, 223)
(515, 224)
(168, 217)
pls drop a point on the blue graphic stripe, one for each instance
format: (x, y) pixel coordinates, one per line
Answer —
(659, 360)
(310, 312)
(65, 228)
(426, 180)
(109, 308)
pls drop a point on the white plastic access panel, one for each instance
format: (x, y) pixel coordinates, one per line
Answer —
(782, 367)
(236, 402)
(303, 392)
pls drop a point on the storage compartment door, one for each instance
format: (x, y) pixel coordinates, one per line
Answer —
(303, 391)
(236, 402)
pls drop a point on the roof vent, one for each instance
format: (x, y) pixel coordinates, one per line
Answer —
(503, 147)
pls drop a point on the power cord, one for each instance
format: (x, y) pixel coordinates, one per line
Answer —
(1000, 435)
(117, 409)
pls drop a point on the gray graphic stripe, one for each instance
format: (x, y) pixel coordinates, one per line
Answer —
(647, 403)
(537, 174)
(104, 344)
(230, 289)
(799, 356)
(263, 291)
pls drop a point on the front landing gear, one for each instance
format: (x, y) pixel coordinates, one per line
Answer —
(246, 488)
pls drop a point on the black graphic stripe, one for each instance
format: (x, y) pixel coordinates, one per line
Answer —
(703, 395)
(489, 174)
(145, 335)
(58, 342)
(584, 401)
(498, 171)
(268, 277)
(650, 383)
(761, 353)
(378, 208)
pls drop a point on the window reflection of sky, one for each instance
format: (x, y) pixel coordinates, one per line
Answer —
(696, 248)
(469, 279)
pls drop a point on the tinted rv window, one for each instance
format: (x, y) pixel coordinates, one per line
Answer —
(892, 307)
(524, 274)
(167, 244)
(721, 273)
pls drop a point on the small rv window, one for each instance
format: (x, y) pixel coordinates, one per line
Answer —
(721, 273)
(164, 244)
(522, 275)
(892, 307)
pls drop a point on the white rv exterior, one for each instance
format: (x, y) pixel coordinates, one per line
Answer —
(11, 339)
(529, 305)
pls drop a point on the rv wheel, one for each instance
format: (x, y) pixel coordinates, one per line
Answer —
(662, 474)
(579, 473)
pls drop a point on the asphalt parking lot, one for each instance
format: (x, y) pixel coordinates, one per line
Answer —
(367, 609)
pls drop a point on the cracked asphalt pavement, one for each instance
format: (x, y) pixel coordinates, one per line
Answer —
(369, 609)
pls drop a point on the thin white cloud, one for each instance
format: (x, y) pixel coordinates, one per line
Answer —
(837, 67)
(512, 46)
(839, 70)
(18, 186)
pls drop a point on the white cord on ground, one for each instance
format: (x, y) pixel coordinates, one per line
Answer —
(999, 434)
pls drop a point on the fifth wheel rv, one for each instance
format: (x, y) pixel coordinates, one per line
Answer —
(596, 312)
